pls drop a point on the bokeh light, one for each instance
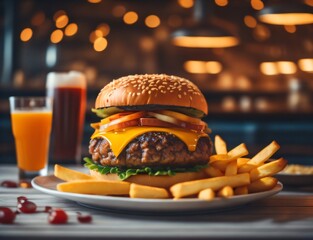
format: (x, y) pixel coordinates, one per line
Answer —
(152, 21)
(130, 17)
(26, 34)
(56, 36)
(100, 44)
(71, 29)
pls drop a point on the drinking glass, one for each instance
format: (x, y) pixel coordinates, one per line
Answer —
(68, 90)
(31, 119)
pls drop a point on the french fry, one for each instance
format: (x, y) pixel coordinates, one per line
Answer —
(219, 157)
(263, 184)
(243, 190)
(67, 174)
(226, 192)
(221, 165)
(268, 169)
(242, 161)
(237, 152)
(141, 191)
(180, 190)
(220, 145)
(260, 157)
(206, 194)
(213, 172)
(231, 168)
(98, 187)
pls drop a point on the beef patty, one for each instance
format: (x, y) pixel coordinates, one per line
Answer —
(151, 149)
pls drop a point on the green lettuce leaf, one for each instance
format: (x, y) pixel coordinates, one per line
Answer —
(128, 172)
(106, 112)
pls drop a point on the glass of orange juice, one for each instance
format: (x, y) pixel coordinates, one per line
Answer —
(31, 119)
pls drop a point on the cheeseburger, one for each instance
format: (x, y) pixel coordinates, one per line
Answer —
(150, 131)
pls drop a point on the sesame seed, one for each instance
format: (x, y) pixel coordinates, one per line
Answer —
(179, 96)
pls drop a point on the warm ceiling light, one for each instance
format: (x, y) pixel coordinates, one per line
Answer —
(221, 3)
(71, 29)
(306, 64)
(152, 21)
(268, 68)
(288, 18)
(61, 21)
(100, 44)
(186, 3)
(205, 42)
(290, 28)
(94, 1)
(130, 17)
(197, 67)
(286, 67)
(257, 4)
(26, 34)
(250, 21)
(203, 67)
(203, 34)
(56, 36)
(287, 14)
(213, 67)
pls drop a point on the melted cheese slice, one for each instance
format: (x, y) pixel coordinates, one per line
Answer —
(119, 139)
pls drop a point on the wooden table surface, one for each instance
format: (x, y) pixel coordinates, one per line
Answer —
(288, 215)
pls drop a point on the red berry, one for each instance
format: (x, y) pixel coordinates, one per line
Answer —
(9, 184)
(26, 207)
(57, 216)
(6, 215)
(21, 199)
(48, 209)
(84, 218)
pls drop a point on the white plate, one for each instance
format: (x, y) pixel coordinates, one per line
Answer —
(47, 184)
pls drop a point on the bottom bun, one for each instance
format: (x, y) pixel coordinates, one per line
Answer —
(153, 181)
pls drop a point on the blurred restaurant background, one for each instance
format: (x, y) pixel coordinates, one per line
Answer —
(256, 73)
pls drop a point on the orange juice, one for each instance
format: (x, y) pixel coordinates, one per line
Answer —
(31, 130)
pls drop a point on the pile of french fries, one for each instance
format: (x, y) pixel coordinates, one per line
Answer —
(229, 173)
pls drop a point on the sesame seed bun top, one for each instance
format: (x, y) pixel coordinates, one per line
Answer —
(156, 89)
